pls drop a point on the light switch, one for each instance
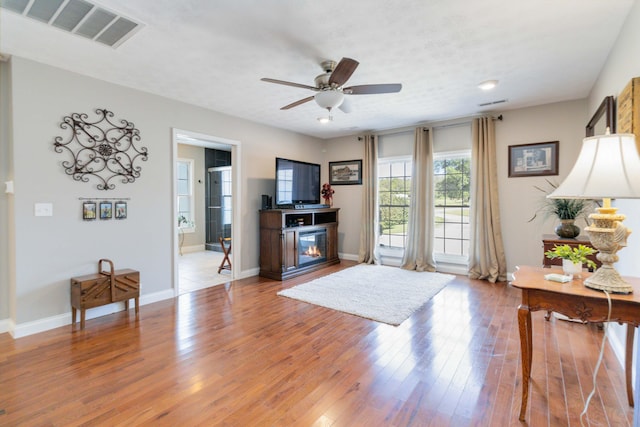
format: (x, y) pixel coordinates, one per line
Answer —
(43, 209)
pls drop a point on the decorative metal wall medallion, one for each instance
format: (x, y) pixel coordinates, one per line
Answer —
(101, 149)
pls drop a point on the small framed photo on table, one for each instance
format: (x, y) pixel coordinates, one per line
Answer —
(89, 211)
(106, 210)
(537, 159)
(345, 173)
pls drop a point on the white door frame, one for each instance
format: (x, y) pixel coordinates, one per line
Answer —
(207, 141)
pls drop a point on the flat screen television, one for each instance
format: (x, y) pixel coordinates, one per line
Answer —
(297, 183)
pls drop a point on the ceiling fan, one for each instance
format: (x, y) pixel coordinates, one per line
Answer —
(330, 93)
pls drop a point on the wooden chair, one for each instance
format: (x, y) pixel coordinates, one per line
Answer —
(226, 262)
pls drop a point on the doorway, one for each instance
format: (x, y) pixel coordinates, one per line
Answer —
(197, 253)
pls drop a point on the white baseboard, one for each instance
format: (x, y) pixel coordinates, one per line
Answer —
(348, 257)
(248, 273)
(616, 344)
(47, 323)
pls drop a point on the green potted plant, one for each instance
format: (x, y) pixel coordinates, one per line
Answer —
(572, 259)
(566, 210)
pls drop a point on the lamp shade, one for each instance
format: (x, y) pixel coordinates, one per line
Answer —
(329, 98)
(608, 166)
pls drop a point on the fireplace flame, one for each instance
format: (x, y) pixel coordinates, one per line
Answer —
(312, 251)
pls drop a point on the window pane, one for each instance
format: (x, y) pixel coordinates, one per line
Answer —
(394, 186)
(183, 187)
(451, 192)
(183, 170)
(183, 203)
(398, 169)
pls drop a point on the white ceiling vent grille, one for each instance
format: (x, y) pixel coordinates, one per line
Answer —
(78, 17)
(492, 103)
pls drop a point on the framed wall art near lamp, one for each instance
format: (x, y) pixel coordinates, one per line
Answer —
(602, 119)
(539, 159)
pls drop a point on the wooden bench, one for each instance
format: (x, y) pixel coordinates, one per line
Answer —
(104, 287)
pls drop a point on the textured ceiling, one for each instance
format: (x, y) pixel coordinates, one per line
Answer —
(213, 54)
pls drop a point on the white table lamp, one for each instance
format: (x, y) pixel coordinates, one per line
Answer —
(608, 167)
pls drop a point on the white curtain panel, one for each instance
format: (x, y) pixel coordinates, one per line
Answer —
(487, 260)
(418, 251)
(369, 225)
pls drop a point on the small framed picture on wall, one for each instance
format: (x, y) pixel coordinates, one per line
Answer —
(345, 172)
(106, 210)
(120, 210)
(88, 211)
(538, 159)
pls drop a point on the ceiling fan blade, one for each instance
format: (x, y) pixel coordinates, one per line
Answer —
(372, 89)
(343, 71)
(282, 82)
(295, 104)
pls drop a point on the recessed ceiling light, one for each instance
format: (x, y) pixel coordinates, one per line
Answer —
(325, 120)
(488, 84)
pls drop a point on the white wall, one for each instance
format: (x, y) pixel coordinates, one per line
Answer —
(347, 197)
(6, 200)
(50, 250)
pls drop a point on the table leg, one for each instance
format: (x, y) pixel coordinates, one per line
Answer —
(73, 315)
(524, 326)
(628, 361)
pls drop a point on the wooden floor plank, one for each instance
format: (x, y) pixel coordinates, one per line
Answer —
(238, 355)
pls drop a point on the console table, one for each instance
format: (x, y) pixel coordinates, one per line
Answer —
(575, 300)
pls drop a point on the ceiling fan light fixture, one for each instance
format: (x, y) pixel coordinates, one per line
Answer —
(488, 84)
(329, 98)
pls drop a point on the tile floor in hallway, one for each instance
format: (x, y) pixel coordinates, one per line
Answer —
(199, 270)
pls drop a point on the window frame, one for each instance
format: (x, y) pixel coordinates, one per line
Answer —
(387, 250)
(189, 227)
(443, 257)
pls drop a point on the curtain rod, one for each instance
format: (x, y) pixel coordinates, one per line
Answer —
(446, 125)
(499, 118)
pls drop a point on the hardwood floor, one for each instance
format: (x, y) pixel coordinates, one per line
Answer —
(239, 355)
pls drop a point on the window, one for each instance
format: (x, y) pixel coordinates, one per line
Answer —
(184, 185)
(394, 195)
(451, 180)
(226, 180)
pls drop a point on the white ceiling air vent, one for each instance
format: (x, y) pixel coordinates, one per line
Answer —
(500, 101)
(78, 17)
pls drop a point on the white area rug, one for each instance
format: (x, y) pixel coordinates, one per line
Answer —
(385, 294)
